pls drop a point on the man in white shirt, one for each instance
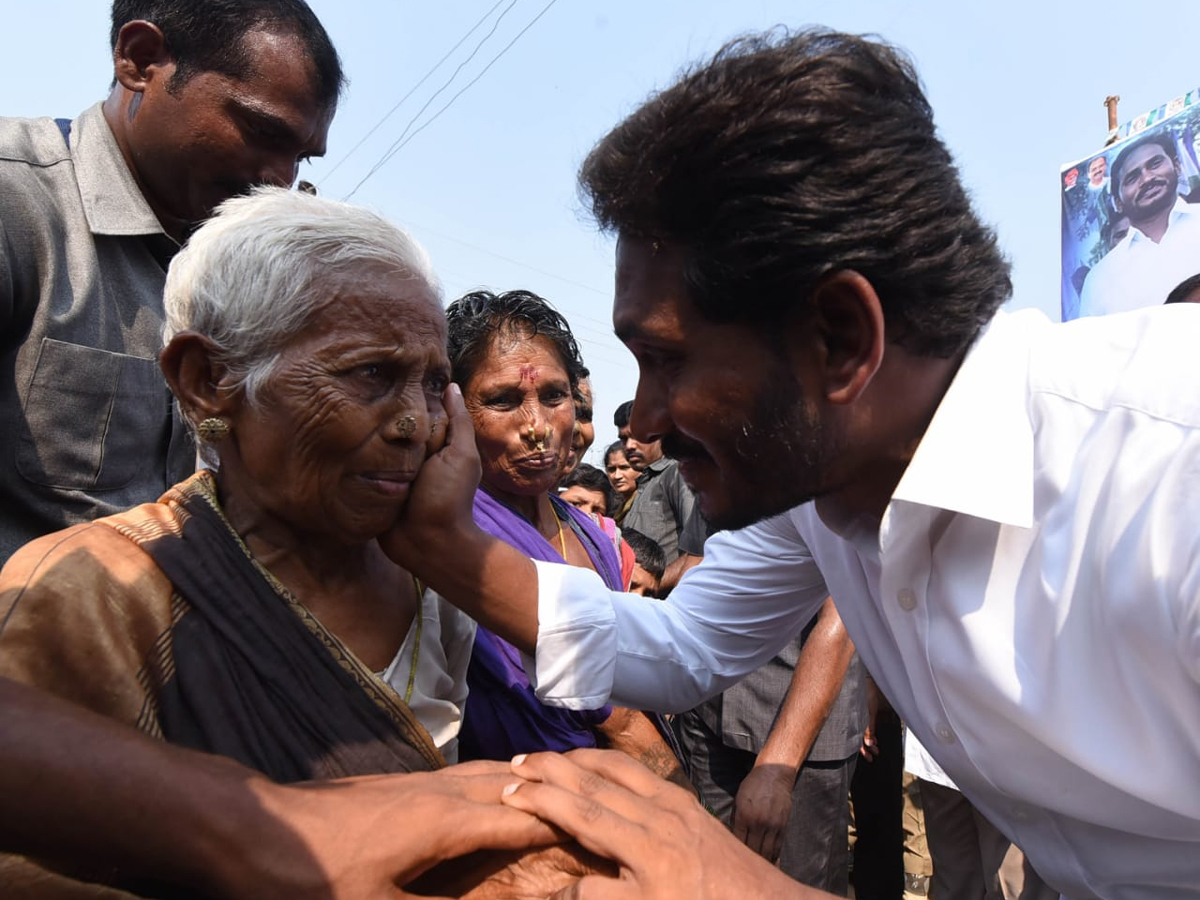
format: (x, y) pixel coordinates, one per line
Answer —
(1162, 246)
(1005, 509)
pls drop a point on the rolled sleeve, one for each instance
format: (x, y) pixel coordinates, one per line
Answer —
(577, 638)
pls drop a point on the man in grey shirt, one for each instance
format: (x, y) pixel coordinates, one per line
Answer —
(207, 101)
(663, 505)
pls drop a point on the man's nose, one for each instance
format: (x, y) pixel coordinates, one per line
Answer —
(279, 171)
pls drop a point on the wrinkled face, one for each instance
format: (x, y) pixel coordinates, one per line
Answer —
(215, 136)
(584, 433)
(621, 474)
(1147, 182)
(594, 503)
(335, 438)
(724, 398)
(520, 402)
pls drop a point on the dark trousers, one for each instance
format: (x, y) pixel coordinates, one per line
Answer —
(814, 842)
(878, 816)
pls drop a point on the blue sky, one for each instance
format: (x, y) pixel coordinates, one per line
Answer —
(489, 187)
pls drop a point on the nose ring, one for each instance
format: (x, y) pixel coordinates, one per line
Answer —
(539, 443)
(407, 426)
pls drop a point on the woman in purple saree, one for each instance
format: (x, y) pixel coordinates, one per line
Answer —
(517, 364)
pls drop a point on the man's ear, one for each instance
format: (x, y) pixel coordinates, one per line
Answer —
(140, 54)
(848, 324)
(197, 381)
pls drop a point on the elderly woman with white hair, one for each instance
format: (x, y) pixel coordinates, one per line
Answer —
(250, 611)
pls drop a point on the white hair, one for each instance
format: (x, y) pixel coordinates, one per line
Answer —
(254, 274)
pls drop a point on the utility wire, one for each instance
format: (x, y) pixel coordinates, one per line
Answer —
(403, 141)
(414, 89)
(387, 154)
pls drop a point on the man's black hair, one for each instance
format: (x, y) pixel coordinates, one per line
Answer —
(590, 478)
(649, 555)
(474, 319)
(1179, 293)
(206, 36)
(791, 156)
(622, 413)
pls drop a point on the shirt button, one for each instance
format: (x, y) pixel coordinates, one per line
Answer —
(945, 734)
(907, 599)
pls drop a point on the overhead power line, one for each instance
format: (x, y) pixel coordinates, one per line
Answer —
(416, 87)
(403, 141)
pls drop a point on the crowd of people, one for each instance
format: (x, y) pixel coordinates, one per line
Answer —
(308, 590)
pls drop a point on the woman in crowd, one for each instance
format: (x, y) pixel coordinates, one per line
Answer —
(250, 612)
(517, 364)
(622, 476)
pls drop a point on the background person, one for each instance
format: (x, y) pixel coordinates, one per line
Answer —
(208, 99)
(584, 433)
(622, 477)
(587, 488)
(518, 364)
(649, 565)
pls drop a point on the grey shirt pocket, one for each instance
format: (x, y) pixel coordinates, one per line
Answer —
(95, 419)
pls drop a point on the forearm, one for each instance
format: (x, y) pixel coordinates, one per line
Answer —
(78, 788)
(820, 671)
(633, 733)
(490, 581)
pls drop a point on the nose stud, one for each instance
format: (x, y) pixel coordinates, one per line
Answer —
(407, 426)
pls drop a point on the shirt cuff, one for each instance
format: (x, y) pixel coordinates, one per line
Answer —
(577, 638)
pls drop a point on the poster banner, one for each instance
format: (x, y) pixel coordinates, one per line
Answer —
(1131, 214)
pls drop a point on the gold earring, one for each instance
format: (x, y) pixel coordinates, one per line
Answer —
(213, 429)
(407, 426)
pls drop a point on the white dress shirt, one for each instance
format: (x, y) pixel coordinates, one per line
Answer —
(1030, 602)
(1138, 272)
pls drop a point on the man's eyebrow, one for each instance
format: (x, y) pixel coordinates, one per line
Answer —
(275, 126)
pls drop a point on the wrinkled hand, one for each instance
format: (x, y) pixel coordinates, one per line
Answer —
(511, 874)
(439, 504)
(665, 844)
(365, 838)
(762, 807)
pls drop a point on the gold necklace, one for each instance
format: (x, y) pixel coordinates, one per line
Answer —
(562, 541)
(412, 671)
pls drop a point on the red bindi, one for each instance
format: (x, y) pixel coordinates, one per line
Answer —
(529, 373)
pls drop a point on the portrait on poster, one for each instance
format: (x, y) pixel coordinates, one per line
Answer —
(1131, 214)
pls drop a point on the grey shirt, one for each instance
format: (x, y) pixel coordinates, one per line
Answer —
(86, 421)
(744, 715)
(662, 506)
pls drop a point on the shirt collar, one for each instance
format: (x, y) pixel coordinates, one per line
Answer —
(976, 457)
(112, 201)
(1181, 210)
